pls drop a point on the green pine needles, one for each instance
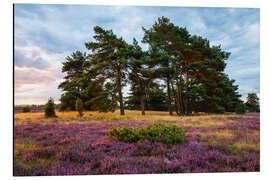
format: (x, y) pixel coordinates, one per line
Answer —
(179, 72)
(50, 109)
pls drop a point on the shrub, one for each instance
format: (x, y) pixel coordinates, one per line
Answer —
(168, 134)
(79, 106)
(26, 109)
(50, 108)
(219, 110)
(240, 108)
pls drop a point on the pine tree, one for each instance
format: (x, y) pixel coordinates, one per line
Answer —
(252, 103)
(192, 70)
(137, 63)
(49, 108)
(159, 37)
(74, 83)
(82, 84)
(109, 56)
(101, 97)
(156, 99)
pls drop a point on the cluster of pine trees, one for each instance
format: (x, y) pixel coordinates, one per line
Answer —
(179, 72)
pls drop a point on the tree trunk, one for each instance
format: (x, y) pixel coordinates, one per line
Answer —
(142, 94)
(169, 96)
(181, 100)
(119, 86)
(176, 103)
(186, 81)
(142, 103)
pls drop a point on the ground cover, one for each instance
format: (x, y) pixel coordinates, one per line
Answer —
(68, 145)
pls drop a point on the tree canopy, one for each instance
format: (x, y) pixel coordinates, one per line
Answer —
(178, 72)
(253, 104)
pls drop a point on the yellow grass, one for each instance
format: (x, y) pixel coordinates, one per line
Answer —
(22, 146)
(238, 145)
(221, 134)
(129, 115)
(204, 121)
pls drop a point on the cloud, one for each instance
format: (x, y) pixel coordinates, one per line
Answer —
(45, 34)
(26, 78)
(33, 83)
(31, 55)
(37, 74)
(22, 59)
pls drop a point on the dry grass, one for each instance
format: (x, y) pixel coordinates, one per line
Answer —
(221, 134)
(129, 115)
(70, 117)
(238, 145)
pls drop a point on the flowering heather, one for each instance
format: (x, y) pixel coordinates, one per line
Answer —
(69, 146)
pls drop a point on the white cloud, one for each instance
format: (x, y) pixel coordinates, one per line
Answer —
(253, 33)
(35, 86)
(247, 71)
(235, 50)
(39, 84)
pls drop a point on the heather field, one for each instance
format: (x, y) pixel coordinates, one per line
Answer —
(68, 145)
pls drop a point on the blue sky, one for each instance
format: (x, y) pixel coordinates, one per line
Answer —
(46, 34)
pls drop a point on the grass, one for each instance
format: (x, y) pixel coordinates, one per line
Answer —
(220, 134)
(241, 144)
(72, 117)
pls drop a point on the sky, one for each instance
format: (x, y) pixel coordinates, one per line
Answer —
(45, 35)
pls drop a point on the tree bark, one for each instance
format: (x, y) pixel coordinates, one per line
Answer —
(142, 103)
(169, 96)
(142, 94)
(175, 99)
(186, 81)
(181, 100)
(119, 86)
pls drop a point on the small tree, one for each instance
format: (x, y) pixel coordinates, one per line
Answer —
(50, 108)
(26, 109)
(79, 106)
(253, 104)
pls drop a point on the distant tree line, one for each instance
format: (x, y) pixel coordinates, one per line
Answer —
(179, 72)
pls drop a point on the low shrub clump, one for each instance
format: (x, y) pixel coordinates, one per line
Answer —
(168, 134)
(26, 109)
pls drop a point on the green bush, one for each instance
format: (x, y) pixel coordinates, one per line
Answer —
(50, 108)
(26, 109)
(168, 134)
(79, 106)
(240, 108)
(219, 110)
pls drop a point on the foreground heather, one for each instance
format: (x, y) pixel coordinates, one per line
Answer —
(222, 145)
